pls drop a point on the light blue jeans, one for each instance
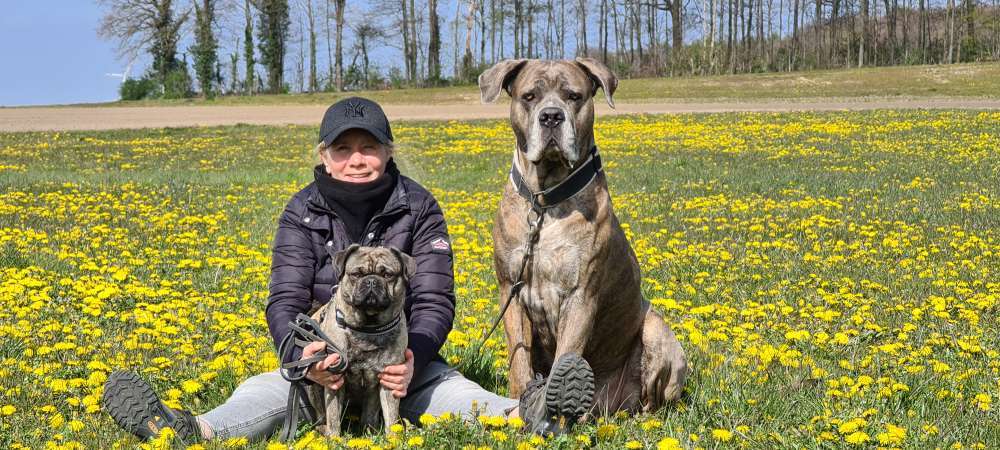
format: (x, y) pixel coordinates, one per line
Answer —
(256, 409)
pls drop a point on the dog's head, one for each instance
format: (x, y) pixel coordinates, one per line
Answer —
(552, 108)
(373, 281)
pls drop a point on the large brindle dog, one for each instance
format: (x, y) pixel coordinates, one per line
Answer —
(582, 285)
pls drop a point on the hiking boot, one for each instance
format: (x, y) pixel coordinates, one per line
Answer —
(553, 405)
(134, 406)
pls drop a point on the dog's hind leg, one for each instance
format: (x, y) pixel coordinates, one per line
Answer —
(663, 364)
(390, 408)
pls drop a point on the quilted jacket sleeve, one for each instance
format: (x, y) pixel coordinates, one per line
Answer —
(292, 271)
(432, 288)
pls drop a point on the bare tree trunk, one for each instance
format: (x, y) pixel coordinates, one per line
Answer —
(562, 29)
(864, 33)
(951, 31)
(433, 44)
(469, 22)
(482, 33)
(970, 30)
(581, 34)
(619, 39)
(493, 30)
(517, 28)
(834, 16)
(340, 43)
(677, 25)
(817, 37)
(313, 83)
(301, 65)
(711, 36)
(602, 33)
(531, 29)
(407, 62)
(329, 43)
(795, 35)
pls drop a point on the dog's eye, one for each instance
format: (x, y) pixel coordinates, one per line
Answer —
(574, 96)
(528, 97)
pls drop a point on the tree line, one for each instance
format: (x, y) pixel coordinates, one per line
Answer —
(245, 47)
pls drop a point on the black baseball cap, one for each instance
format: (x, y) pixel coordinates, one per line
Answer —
(351, 113)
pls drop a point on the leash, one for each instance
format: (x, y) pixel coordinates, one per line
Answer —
(304, 331)
(541, 201)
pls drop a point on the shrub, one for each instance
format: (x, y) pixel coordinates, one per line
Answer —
(177, 84)
(137, 89)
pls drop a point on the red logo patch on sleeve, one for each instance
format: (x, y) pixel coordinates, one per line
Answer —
(441, 245)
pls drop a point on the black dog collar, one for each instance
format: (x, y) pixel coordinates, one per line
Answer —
(568, 187)
(369, 329)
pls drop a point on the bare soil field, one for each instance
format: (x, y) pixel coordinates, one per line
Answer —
(103, 118)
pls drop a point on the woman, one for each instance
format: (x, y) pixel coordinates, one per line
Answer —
(358, 196)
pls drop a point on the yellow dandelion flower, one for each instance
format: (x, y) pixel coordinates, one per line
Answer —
(668, 443)
(723, 435)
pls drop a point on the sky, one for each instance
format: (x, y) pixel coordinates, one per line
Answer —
(51, 54)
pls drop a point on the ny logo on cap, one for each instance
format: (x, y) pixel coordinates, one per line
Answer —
(355, 109)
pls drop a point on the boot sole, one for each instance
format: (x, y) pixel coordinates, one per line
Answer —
(570, 391)
(133, 405)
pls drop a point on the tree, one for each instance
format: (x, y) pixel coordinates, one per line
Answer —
(467, 61)
(313, 83)
(204, 49)
(144, 25)
(340, 39)
(365, 34)
(248, 56)
(433, 44)
(273, 33)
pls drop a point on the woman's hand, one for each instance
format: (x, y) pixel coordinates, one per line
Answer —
(317, 372)
(397, 378)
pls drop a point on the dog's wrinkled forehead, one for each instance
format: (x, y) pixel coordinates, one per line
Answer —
(373, 260)
(552, 76)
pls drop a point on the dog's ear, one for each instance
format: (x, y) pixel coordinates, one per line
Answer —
(499, 77)
(340, 258)
(601, 75)
(407, 262)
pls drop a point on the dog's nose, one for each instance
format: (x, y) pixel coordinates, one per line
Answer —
(551, 117)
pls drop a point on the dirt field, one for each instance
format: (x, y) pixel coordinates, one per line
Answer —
(91, 118)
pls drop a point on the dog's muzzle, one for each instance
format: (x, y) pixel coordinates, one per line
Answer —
(551, 117)
(370, 294)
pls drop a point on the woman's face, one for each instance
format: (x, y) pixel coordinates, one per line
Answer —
(355, 157)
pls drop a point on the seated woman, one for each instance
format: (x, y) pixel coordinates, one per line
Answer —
(358, 196)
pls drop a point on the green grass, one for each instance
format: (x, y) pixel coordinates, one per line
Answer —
(828, 274)
(958, 80)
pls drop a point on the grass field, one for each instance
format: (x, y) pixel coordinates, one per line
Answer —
(957, 80)
(833, 277)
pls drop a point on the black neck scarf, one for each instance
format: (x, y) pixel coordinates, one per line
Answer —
(356, 203)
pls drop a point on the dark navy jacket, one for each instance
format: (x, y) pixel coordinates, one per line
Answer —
(309, 234)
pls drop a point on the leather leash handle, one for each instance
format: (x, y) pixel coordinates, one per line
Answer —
(304, 330)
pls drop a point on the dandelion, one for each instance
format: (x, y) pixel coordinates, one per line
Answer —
(857, 438)
(722, 435)
(668, 443)
(359, 443)
(893, 435)
(427, 419)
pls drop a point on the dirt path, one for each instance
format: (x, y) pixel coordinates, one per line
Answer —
(105, 118)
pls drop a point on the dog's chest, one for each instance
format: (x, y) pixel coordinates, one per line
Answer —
(554, 271)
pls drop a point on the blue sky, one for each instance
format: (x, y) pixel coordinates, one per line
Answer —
(50, 53)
